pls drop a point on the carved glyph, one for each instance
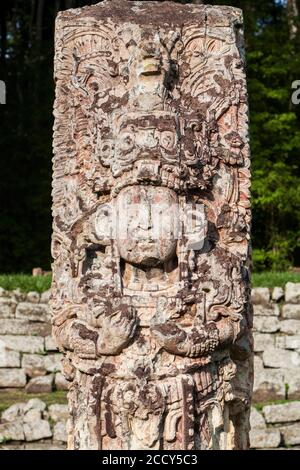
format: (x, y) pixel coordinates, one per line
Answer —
(151, 226)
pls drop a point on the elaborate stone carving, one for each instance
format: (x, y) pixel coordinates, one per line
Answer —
(150, 294)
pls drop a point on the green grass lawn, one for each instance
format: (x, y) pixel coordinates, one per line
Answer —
(25, 282)
(273, 279)
(10, 397)
(28, 283)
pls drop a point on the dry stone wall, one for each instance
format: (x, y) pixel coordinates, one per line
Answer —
(276, 343)
(29, 359)
(34, 426)
(276, 426)
(28, 356)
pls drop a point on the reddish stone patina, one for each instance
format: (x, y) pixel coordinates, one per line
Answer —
(150, 294)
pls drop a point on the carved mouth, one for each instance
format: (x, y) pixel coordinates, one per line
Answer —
(150, 66)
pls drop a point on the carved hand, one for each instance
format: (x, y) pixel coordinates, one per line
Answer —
(195, 342)
(118, 328)
(170, 337)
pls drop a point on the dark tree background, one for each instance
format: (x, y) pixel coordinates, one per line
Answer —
(26, 65)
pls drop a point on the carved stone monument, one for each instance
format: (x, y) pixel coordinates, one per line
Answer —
(150, 294)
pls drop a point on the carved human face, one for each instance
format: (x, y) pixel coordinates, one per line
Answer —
(146, 228)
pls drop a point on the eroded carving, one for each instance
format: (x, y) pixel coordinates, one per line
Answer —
(150, 294)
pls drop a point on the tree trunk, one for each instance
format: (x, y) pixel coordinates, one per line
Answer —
(293, 16)
(39, 22)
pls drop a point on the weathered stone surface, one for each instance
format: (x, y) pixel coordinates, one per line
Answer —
(287, 412)
(33, 312)
(258, 364)
(33, 297)
(265, 439)
(288, 342)
(18, 295)
(266, 310)
(58, 412)
(53, 362)
(8, 358)
(277, 294)
(13, 413)
(151, 131)
(292, 379)
(260, 295)
(7, 307)
(12, 431)
(15, 378)
(24, 421)
(34, 364)
(42, 384)
(45, 296)
(35, 404)
(60, 382)
(280, 358)
(34, 446)
(59, 432)
(292, 293)
(266, 324)
(257, 420)
(291, 434)
(268, 385)
(35, 429)
(29, 344)
(50, 344)
(263, 341)
(290, 327)
(291, 311)
(23, 327)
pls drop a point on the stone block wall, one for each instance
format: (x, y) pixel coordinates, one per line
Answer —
(33, 426)
(276, 343)
(29, 360)
(28, 356)
(276, 426)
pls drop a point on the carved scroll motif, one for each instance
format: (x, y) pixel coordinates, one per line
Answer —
(151, 226)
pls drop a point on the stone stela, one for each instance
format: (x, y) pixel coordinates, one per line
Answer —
(151, 305)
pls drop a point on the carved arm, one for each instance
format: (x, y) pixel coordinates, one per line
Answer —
(194, 342)
(116, 331)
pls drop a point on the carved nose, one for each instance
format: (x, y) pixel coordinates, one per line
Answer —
(145, 222)
(149, 50)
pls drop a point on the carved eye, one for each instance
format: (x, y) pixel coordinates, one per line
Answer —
(197, 53)
(126, 142)
(167, 140)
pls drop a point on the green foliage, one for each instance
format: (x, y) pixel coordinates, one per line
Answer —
(28, 283)
(25, 282)
(272, 260)
(26, 60)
